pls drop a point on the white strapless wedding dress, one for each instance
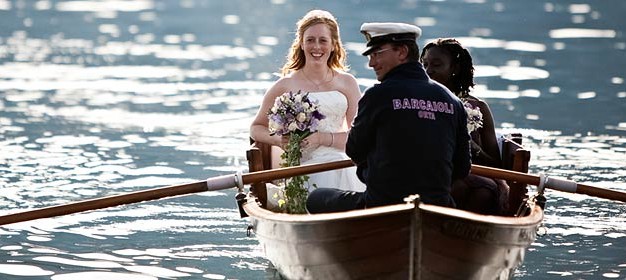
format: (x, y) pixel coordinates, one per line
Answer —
(333, 105)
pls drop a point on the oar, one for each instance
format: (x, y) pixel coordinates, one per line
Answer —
(233, 180)
(549, 182)
(211, 184)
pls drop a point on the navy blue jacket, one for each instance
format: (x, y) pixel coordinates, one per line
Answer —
(409, 137)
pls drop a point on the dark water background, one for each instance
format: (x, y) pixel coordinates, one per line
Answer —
(99, 98)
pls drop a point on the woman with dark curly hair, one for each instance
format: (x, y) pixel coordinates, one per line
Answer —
(449, 63)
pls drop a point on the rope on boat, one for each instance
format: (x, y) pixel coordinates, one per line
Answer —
(240, 197)
(543, 180)
(239, 180)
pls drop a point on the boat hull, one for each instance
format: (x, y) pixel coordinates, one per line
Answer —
(376, 243)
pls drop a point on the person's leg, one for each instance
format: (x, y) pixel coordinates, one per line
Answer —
(480, 195)
(325, 200)
(460, 194)
(503, 196)
(482, 201)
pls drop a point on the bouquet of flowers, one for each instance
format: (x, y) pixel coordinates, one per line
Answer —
(474, 116)
(296, 116)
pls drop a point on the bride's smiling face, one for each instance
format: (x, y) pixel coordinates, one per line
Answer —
(317, 44)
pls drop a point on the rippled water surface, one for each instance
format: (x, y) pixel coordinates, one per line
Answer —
(99, 98)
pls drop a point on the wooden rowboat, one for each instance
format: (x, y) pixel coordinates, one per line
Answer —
(375, 243)
(405, 241)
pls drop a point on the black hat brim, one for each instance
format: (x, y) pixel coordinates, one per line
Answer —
(376, 42)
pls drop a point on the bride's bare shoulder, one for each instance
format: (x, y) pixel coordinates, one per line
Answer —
(344, 75)
(347, 82)
(346, 78)
(291, 81)
(283, 84)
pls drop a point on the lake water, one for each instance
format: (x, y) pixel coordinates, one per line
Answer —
(99, 98)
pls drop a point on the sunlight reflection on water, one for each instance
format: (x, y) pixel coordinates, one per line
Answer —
(23, 270)
(581, 33)
(131, 259)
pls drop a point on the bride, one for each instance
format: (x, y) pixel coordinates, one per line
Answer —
(316, 64)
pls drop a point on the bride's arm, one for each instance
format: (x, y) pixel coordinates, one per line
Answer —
(259, 130)
(353, 94)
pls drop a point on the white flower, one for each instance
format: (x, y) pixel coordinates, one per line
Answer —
(474, 116)
(301, 117)
(292, 126)
(273, 126)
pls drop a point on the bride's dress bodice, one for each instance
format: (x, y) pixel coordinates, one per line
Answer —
(333, 105)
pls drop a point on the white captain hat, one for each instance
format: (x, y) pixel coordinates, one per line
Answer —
(378, 33)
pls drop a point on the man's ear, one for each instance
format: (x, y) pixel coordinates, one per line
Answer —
(403, 52)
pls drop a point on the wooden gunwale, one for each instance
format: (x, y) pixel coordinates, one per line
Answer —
(255, 210)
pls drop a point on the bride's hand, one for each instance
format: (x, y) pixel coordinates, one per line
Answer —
(312, 141)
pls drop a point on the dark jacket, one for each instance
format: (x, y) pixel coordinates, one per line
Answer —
(409, 137)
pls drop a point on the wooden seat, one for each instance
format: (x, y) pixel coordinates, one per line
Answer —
(259, 159)
(514, 157)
